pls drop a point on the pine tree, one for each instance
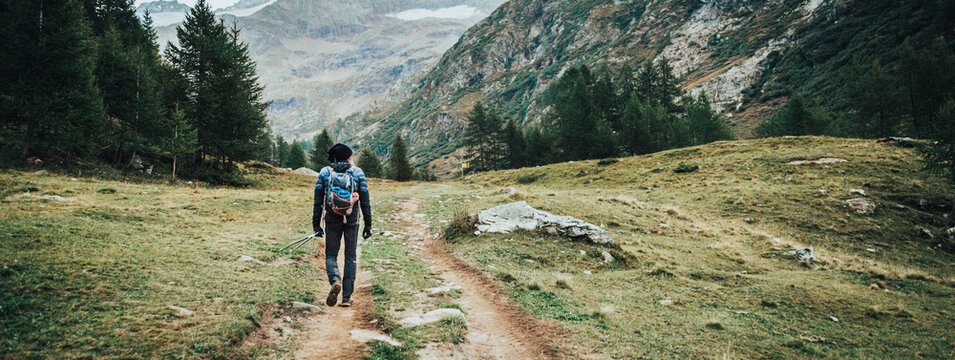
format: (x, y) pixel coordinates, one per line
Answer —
(872, 97)
(318, 154)
(928, 81)
(183, 140)
(704, 125)
(398, 166)
(795, 118)
(516, 146)
(541, 147)
(224, 99)
(483, 136)
(642, 126)
(126, 72)
(49, 100)
(939, 155)
(296, 156)
(574, 113)
(369, 162)
(281, 151)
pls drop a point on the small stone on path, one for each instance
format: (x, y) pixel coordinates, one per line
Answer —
(443, 289)
(369, 335)
(307, 307)
(430, 317)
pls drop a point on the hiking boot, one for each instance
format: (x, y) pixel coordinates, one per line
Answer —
(346, 303)
(333, 294)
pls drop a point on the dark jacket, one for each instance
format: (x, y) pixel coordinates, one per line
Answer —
(364, 200)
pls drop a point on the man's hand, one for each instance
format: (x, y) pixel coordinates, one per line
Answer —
(367, 233)
(319, 231)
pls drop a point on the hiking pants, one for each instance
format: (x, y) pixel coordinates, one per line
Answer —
(335, 230)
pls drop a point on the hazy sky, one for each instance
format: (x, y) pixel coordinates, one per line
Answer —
(216, 4)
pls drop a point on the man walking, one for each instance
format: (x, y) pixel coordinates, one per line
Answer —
(340, 187)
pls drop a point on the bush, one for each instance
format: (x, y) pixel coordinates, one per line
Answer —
(462, 222)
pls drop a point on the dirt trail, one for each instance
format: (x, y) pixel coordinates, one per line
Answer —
(497, 329)
(326, 336)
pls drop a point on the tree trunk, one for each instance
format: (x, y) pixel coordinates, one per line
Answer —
(174, 169)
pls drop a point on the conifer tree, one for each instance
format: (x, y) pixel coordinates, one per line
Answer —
(398, 166)
(483, 136)
(369, 162)
(795, 118)
(183, 140)
(126, 71)
(49, 100)
(703, 124)
(281, 151)
(516, 145)
(871, 95)
(939, 155)
(224, 99)
(296, 156)
(541, 148)
(574, 113)
(318, 154)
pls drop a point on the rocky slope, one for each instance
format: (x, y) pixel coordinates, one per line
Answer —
(747, 56)
(510, 58)
(324, 60)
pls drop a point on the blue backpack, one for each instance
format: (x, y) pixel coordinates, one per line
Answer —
(340, 193)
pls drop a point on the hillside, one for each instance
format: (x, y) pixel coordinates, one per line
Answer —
(699, 271)
(324, 60)
(747, 56)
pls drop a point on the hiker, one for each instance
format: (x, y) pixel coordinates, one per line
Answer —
(340, 190)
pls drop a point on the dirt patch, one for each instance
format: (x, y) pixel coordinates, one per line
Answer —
(326, 336)
(271, 329)
(497, 329)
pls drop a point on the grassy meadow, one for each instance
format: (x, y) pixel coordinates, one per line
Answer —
(697, 271)
(95, 276)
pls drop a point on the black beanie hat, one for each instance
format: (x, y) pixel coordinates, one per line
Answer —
(339, 152)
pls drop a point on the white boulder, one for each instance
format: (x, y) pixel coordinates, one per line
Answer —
(519, 215)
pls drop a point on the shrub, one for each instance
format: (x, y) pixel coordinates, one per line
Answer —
(461, 223)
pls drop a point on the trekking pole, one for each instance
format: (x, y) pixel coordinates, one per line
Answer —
(300, 242)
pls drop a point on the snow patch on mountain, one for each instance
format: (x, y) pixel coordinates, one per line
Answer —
(454, 12)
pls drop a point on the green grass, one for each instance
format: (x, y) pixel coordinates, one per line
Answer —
(94, 277)
(733, 295)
